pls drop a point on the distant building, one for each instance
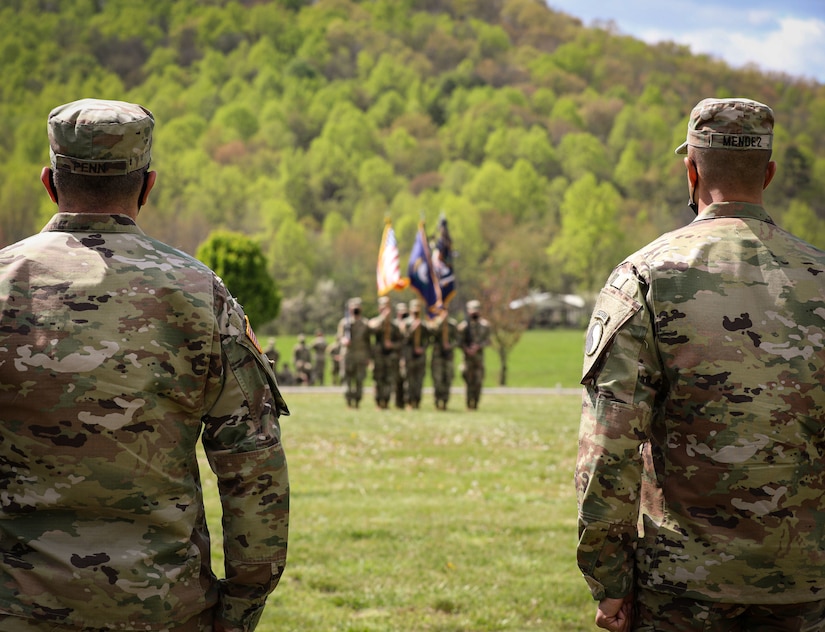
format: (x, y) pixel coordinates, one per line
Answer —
(554, 310)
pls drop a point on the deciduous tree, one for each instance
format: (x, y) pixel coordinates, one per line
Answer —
(239, 261)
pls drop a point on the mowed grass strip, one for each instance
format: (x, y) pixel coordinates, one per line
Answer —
(429, 520)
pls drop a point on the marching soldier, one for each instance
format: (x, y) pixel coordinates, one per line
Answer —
(418, 337)
(444, 341)
(356, 351)
(474, 336)
(319, 351)
(388, 340)
(302, 361)
(401, 386)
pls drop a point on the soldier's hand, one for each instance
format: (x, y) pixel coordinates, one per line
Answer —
(615, 615)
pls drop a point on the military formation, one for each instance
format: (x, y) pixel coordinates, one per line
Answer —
(397, 346)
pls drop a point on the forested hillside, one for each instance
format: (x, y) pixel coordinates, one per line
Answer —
(306, 124)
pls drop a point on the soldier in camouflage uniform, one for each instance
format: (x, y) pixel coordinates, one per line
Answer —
(117, 352)
(319, 352)
(334, 351)
(388, 340)
(444, 338)
(418, 338)
(700, 474)
(302, 361)
(271, 352)
(401, 316)
(356, 352)
(474, 336)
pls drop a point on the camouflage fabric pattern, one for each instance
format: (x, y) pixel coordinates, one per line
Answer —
(474, 336)
(442, 363)
(700, 469)
(319, 364)
(116, 353)
(302, 361)
(355, 356)
(417, 339)
(401, 384)
(387, 342)
(334, 351)
(729, 124)
(100, 138)
(662, 612)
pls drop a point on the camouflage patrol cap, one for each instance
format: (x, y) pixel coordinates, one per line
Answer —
(354, 302)
(415, 304)
(473, 306)
(729, 124)
(400, 307)
(100, 138)
(383, 300)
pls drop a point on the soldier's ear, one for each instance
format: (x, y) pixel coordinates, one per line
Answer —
(692, 171)
(148, 182)
(47, 178)
(770, 172)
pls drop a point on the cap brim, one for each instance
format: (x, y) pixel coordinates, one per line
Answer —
(682, 149)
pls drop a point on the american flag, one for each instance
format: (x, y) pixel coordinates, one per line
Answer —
(388, 272)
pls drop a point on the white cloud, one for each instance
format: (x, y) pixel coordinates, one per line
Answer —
(788, 36)
(794, 46)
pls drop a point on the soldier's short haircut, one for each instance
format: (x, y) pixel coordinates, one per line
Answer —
(731, 169)
(96, 191)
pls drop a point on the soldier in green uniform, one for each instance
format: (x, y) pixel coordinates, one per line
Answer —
(117, 353)
(700, 473)
(388, 340)
(319, 352)
(271, 352)
(444, 338)
(334, 351)
(302, 361)
(474, 337)
(418, 338)
(356, 351)
(401, 316)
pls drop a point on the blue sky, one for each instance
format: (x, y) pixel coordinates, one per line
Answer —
(779, 35)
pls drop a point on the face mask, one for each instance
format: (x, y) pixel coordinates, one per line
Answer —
(474, 316)
(356, 312)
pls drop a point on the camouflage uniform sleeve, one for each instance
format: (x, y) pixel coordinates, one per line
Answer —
(242, 440)
(621, 376)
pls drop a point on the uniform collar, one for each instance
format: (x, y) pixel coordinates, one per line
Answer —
(743, 210)
(91, 223)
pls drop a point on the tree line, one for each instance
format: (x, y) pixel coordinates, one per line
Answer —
(304, 125)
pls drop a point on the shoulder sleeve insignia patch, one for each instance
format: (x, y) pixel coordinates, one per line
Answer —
(596, 331)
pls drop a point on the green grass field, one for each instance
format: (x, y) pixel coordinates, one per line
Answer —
(429, 520)
(541, 358)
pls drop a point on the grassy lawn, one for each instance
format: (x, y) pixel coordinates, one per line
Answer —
(429, 520)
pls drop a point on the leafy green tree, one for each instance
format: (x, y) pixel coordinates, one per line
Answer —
(590, 241)
(630, 170)
(800, 220)
(581, 154)
(239, 261)
(291, 257)
(305, 123)
(377, 178)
